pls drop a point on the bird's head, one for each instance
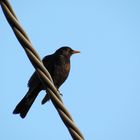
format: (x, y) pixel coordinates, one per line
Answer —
(66, 51)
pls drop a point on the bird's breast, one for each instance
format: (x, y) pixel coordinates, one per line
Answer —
(67, 67)
(61, 73)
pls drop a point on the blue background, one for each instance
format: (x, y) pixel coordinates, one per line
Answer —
(102, 92)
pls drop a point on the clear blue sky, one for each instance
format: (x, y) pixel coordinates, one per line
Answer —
(102, 92)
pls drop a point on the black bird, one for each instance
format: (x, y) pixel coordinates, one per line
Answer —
(58, 65)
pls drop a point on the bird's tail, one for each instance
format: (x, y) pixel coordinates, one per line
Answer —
(24, 105)
(45, 99)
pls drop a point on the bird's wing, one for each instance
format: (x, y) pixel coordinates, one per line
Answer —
(34, 80)
(48, 62)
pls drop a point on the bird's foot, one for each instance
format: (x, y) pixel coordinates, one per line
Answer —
(61, 94)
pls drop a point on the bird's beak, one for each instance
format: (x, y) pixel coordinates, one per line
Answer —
(74, 51)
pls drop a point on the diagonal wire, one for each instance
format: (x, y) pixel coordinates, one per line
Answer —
(44, 75)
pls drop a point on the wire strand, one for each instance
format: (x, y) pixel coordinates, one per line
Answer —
(44, 75)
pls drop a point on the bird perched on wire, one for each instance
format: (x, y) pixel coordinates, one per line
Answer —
(58, 65)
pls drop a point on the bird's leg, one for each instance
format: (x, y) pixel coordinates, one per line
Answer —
(60, 93)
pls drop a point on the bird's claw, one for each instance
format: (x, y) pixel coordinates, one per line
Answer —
(61, 94)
